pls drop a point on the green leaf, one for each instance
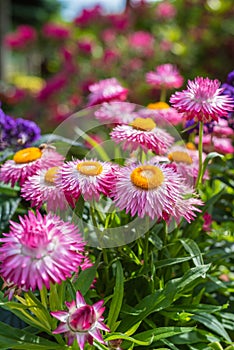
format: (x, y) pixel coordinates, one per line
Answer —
(115, 336)
(85, 279)
(116, 302)
(169, 262)
(8, 207)
(210, 156)
(162, 333)
(13, 338)
(192, 248)
(211, 322)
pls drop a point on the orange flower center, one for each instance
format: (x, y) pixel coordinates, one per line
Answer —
(180, 157)
(158, 105)
(50, 175)
(27, 155)
(191, 146)
(90, 168)
(147, 177)
(144, 124)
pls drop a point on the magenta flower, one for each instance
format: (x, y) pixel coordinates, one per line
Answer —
(151, 189)
(161, 113)
(165, 76)
(55, 31)
(24, 36)
(27, 162)
(116, 112)
(106, 90)
(142, 41)
(202, 101)
(40, 250)
(88, 178)
(142, 132)
(43, 187)
(81, 322)
(165, 10)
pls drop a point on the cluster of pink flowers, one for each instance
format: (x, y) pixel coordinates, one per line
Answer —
(55, 31)
(24, 36)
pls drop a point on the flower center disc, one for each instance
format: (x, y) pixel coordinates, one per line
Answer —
(158, 105)
(191, 146)
(50, 175)
(27, 155)
(180, 157)
(144, 124)
(90, 168)
(147, 177)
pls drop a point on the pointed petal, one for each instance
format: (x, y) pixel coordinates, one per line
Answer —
(81, 339)
(96, 334)
(61, 328)
(79, 299)
(60, 315)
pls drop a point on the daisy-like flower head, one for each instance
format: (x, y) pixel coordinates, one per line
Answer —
(149, 189)
(81, 322)
(202, 101)
(43, 187)
(106, 90)
(116, 112)
(165, 76)
(163, 113)
(142, 132)
(40, 250)
(88, 178)
(27, 162)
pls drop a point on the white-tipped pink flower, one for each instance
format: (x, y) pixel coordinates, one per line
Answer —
(81, 322)
(88, 178)
(165, 76)
(116, 113)
(44, 187)
(106, 90)
(142, 132)
(151, 189)
(202, 101)
(162, 113)
(27, 162)
(40, 250)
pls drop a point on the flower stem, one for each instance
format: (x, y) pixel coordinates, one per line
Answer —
(199, 177)
(163, 95)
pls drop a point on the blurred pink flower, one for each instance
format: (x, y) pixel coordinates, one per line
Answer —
(24, 36)
(221, 145)
(110, 56)
(40, 250)
(165, 10)
(119, 22)
(165, 76)
(85, 46)
(207, 222)
(202, 101)
(53, 85)
(222, 129)
(142, 41)
(81, 322)
(88, 16)
(162, 113)
(55, 31)
(106, 90)
(116, 112)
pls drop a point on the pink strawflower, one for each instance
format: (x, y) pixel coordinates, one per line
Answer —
(222, 129)
(142, 41)
(43, 187)
(202, 101)
(162, 113)
(85, 46)
(221, 145)
(27, 162)
(55, 31)
(88, 178)
(165, 10)
(106, 90)
(88, 16)
(116, 112)
(24, 36)
(40, 250)
(142, 132)
(165, 76)
(82, 322)
(152, 189)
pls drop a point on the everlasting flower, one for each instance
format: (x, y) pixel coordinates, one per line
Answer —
(27, 162)
(151, 189)
(88, 178)
(116, 112)
(142, 41)
(202, 101)
(106, 90)
(24, 36)
(81, 322)
(163, 113)
(142, 132)
(165, 10)
(40, 250)
(43, 187)
(221, 145)
(55, 31)
(165, 76)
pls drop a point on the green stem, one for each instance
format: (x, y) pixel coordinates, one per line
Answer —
(199, 177)
(146, 249)
(43, 295)
(163, 95)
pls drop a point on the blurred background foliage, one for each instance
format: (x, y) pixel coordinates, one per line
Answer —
(45, 77)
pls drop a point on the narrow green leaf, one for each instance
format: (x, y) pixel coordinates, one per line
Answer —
(115, 336)
(133, 329)
(85, 279)
(172, 261)
(162, 333)
(116, 302)
(7, 208)
(210, 156)
(192, 248)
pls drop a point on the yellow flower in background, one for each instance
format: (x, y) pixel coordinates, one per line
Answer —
(158, 105)
(28, 82)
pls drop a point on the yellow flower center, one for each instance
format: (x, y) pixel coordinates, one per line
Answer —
(147, 177)
(27, 155)
(50, 175)
(90, 168)
(144, 124)
(191, 146)
(180, 157)
(158, 105)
